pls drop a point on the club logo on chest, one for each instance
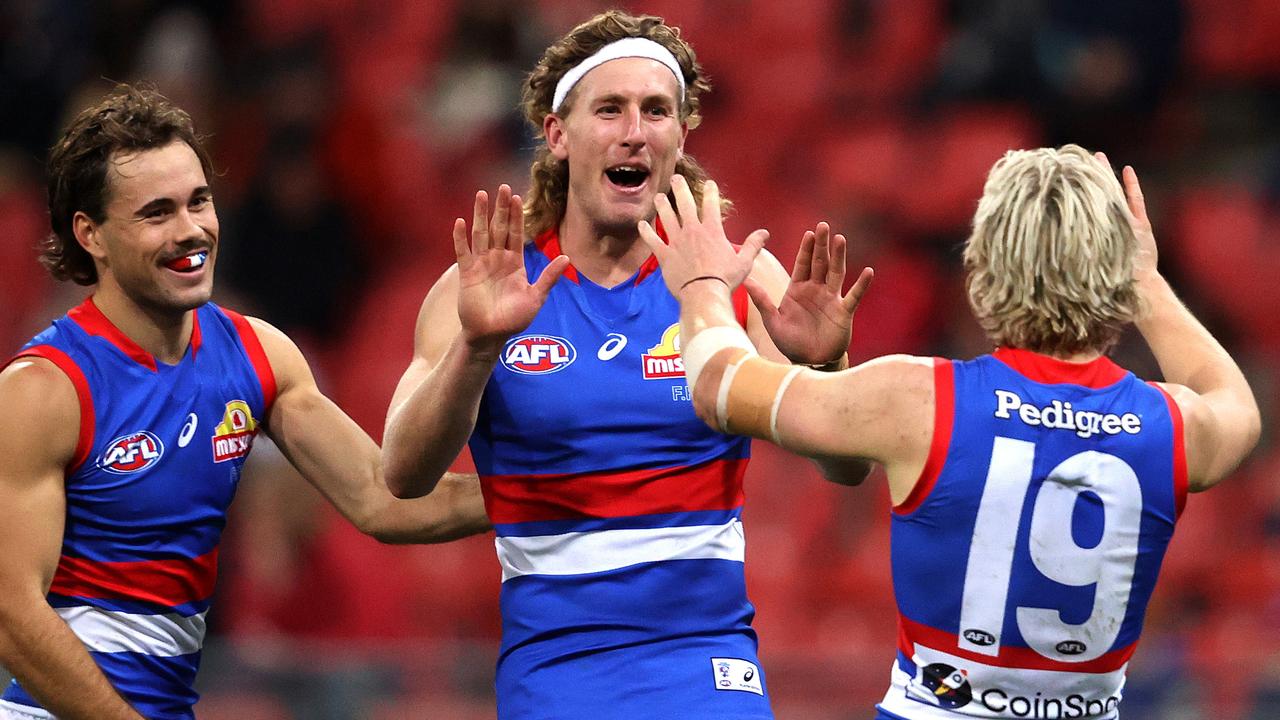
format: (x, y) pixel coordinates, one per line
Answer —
(233, 437)
(663, 360)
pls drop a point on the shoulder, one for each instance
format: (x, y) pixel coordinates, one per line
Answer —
(42, 402)
(281, 351)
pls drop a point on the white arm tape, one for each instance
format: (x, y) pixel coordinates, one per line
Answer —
(722, 397)
(699, 350)
(777, 403)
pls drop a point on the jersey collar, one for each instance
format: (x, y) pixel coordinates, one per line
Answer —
(92, 321)
(549, 243)
(1097, 373)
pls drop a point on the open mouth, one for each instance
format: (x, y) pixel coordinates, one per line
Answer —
(188, 263)
(627, 176)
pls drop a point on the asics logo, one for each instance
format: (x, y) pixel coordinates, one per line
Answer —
(611, 347)
(188, 430)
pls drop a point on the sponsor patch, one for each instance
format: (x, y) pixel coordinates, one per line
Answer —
(233, 437)
(736, 674)
(132, 453)
(538, 354)
(663, 360)
(941, 685)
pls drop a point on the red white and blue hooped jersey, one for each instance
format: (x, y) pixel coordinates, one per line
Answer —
(1024, 558)
(156, 466)
(617, 513)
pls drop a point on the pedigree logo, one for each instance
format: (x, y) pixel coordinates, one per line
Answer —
(233, 437)
(663, 360)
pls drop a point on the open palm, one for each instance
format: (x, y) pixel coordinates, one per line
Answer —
(814, 322)
(495, 297)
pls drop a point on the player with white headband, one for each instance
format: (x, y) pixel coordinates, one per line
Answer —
(617, 512)
(1035, 489)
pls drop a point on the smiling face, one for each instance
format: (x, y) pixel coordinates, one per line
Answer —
(159, 241)
(622, 138)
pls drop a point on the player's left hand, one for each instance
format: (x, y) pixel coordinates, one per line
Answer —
(814, 322)
(696, 247)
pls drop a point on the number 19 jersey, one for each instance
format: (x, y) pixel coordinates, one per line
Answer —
(1024, 558)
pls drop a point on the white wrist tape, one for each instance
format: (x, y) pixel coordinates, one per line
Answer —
(624, 48)
(699, 350)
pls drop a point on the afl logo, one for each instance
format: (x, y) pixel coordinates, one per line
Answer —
(1070, 647)
(538, 354)
(131, 453)
(979, 637)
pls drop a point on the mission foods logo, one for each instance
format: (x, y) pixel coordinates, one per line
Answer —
(131, 453)
(663, 360)
(538, 354)
(233, 437)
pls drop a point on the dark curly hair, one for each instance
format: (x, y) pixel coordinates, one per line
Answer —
(128, 119)
(549, 177)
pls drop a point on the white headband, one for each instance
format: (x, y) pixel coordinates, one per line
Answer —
(624, 48)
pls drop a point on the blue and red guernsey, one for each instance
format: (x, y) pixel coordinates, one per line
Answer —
(617, 512)
(158, 460)
(1025, 556)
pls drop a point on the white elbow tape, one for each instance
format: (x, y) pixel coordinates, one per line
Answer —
(698, 351)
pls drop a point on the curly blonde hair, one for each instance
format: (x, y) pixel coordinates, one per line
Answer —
(544, 204)
(1051, 256)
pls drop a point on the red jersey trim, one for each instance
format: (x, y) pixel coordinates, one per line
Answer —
(91, 319)
(911, 633)
(1180, 481)
(165, 582)
(257, 356)
(1097, 373)
(944, 402)
(716, 485)
(68, 366)
(549, 243)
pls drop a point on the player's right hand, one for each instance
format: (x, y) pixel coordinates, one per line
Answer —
(495, 298)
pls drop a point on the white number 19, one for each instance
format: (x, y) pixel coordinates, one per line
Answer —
(1109, 565)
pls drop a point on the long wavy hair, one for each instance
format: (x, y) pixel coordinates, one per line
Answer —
(1050, 260)
(544, 204)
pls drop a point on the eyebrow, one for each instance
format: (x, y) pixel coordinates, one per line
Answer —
(614, 97)
(164, 203)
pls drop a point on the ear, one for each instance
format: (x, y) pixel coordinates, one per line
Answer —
(684, 133)
(89, 235)
(553, 131)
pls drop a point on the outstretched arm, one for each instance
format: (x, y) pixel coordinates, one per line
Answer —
(345, 465)
(467, 317)
(1220, 415)
(810, 322)
(850, 415)
(38, 433)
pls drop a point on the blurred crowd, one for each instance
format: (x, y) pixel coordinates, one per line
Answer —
(347, 135)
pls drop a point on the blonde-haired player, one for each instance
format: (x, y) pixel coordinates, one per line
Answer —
(1035, 489)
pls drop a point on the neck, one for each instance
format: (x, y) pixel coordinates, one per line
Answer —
(164, 333)
(606, 256)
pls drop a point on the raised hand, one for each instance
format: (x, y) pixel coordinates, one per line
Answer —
(696, 247)
(814, 322)
(1148, 254)
(495, 298)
